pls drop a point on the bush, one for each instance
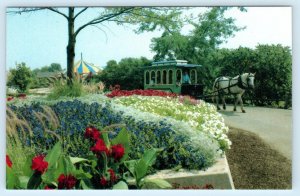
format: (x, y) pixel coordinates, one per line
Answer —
(21, 77)
(128, 73)
(62, 89)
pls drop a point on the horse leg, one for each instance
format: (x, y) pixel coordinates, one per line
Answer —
(241, 102)
(224, 104)
(217, 101)
(235, 103)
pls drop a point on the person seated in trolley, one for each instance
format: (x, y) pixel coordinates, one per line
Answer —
(186, 78)
(152, 81)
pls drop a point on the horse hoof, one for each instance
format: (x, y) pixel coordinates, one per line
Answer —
(234, 110)
(224, 107)
(243, 111)
(218, 108)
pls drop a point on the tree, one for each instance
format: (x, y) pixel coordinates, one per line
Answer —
(271, 63)
(274, 74)
(145, 19)
(52, 68)
(128, 73)
(20, 77)
(210, 30)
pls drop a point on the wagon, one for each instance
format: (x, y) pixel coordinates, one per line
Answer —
(170, 76)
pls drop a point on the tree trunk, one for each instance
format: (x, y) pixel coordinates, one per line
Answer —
(71, 45)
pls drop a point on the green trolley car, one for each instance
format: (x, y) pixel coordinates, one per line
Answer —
(174, 76)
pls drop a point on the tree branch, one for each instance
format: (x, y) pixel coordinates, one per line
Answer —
(83, 10)
(56, 11)
(102, 19)
(24, 10)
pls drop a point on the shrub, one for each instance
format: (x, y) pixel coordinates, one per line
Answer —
(20, 77)
(61, 89)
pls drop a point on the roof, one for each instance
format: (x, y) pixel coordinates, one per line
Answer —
(177, 63)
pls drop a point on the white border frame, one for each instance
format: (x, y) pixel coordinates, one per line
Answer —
(296, 81)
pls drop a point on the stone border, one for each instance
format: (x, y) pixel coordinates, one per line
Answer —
(218, 176)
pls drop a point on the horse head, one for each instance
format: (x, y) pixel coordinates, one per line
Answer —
(248, 79)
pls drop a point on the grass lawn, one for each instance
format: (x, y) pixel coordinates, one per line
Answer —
(254, 165)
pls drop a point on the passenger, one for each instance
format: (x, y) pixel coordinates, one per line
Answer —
(152, 81)
(186, 78)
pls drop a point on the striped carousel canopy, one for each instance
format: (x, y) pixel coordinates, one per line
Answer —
(82, 67)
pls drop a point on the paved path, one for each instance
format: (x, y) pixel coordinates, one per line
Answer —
(273, 125)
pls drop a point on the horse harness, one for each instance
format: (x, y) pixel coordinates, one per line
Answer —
(240, 84)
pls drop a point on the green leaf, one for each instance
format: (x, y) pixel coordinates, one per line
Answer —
(75, 160)
(34, 181)
(54, 154)
(85, 184)
(80, 174)
(156, 184)
(122, 138)
(105, 139)
(49, 176)
(23, 181)
(27, 171)
(52, 173)
(140, 170)
(11, 179)
(130, 165)
(120, 185)
(150, 156)
(68, 166)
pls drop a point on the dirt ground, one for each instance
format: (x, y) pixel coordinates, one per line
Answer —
(254, 164)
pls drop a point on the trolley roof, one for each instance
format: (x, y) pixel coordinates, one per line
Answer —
(177, 63)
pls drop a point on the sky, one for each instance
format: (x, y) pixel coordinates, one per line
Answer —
(40, 38)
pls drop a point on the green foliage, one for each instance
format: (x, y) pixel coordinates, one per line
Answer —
(52, 68)
(61, 89)
(271, 63)
(128, 73)
(211, 30)
(20, 77)
(273, 74)
(149, 18)
(139, 169)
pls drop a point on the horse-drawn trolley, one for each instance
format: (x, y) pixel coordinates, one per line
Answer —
(174, 76)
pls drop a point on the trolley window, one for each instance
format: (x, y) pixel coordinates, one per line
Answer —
(178, 76)
(193, 75)
(164, 80)
(152, 81)
(158, 77)
(170, 77)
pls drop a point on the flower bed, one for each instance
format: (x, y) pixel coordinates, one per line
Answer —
(201, 116)
(149, 92)
(182, 144)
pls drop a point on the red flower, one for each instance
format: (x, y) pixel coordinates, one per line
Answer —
(10, 98)
(22, 95)
(100, 147)
(38, 164)
(113, 176)
(8, 161)
(103, 181)
(48, 188)
(116, 92)
(117, 151)
(66, 182)
(92, 132)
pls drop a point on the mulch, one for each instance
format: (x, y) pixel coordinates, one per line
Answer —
(255, 165)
